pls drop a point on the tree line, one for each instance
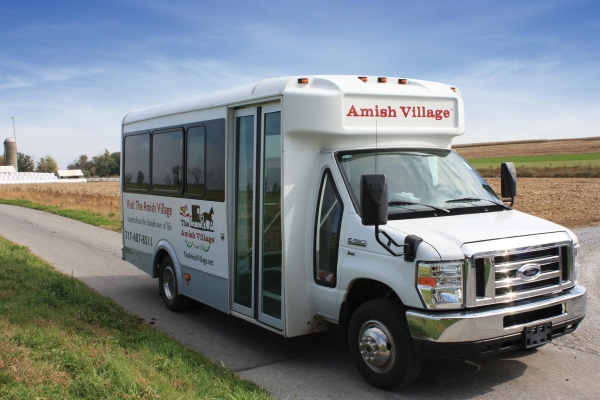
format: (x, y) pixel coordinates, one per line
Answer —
(104, 164)
(25, 163)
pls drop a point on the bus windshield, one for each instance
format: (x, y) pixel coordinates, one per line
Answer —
(419, 179)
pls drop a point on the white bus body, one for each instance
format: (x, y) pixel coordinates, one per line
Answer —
(249, 200)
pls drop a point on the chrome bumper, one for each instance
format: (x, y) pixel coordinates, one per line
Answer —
(479, 325)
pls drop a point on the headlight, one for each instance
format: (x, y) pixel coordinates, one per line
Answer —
(440, 284)
(576, 263)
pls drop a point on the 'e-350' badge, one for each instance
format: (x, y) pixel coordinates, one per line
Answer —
(357, 242)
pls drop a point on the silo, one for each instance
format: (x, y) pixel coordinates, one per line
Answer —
(10, 152)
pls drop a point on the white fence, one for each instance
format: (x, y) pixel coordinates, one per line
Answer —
(11, 178)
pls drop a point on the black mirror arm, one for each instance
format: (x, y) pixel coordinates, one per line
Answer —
(390, 242)
(409, 247)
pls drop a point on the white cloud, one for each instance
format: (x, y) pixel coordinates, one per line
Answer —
(516, 99)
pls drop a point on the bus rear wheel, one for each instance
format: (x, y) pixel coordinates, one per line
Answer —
(381, 345)
(169, 291)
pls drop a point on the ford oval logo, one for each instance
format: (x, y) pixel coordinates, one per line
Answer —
(529, 272)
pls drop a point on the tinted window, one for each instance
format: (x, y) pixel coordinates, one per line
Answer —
(196, 166)
(327, 232)
(204, 167)
(137, 162)
(167, 161)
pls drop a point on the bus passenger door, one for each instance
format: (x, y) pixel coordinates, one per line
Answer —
(257, 280)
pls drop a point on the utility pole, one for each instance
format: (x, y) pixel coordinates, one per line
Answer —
(14, 133)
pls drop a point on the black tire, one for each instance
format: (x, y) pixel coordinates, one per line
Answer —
(390, 359)
(167, 284)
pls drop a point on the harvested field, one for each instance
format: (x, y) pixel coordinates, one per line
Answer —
(97, 197)
(572, 202)
(538, 148)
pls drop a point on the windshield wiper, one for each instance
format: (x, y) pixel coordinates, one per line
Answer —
(402, 203)
(469, 199)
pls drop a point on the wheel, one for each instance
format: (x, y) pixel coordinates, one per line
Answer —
(167, 282)
(381, 345)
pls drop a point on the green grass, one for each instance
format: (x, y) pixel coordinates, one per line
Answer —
(95, 219)
(60, 340)
(550, 161)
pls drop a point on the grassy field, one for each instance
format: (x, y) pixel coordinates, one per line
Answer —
(86, 216)
(95, 203)
(574, 158)
(60, 340)
(548, 161)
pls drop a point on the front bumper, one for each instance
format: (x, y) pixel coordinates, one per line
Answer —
(474, 332)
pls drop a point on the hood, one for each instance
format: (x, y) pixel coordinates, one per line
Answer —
(457, 230)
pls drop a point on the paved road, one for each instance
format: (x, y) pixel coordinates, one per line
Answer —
(310, 367)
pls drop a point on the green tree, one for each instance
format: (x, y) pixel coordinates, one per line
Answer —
(47, 164)
(116, 156)
(105, 164)
(1, 160)
(84, 164)
(25, 162)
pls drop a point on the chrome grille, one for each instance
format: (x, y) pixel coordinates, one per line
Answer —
(495, 278)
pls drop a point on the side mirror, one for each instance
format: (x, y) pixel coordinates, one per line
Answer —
(373, 199)
(509, 181)
(374, 212)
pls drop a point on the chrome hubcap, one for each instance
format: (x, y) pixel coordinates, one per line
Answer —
(376, 346)
(169, 285)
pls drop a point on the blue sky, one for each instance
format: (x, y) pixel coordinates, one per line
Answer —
(70, 70)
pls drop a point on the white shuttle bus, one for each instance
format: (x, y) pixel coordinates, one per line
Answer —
(304, 200)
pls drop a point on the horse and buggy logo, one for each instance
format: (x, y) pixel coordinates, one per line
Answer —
(202, 221)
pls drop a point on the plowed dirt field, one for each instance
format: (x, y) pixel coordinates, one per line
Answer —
(571, 202)
(538, 148)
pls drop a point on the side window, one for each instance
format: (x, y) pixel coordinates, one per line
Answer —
(167, 161)
(327, 232)
(196, 161)
(136, 166)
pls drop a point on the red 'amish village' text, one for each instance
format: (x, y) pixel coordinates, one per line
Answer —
(407, 111)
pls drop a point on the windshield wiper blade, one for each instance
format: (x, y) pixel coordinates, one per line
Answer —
(402, 203)
(469, 199)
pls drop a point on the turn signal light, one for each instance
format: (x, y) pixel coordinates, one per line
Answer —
(440, 284)
(426, 281)
(186, 277)
(302, 80)
(382, 80)
(403, 81)
(363, 78)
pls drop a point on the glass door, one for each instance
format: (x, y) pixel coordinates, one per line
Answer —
(271, 278)
(258, 278)
(243, 280)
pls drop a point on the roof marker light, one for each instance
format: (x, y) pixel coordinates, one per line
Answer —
(363, 78)
(381, 80)
(453, 89)
(402, 81)
(302, 80)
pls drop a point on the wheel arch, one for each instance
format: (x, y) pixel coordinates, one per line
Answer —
(162, 250)
(359, 292)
